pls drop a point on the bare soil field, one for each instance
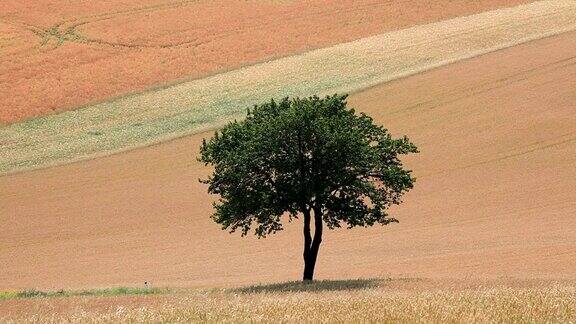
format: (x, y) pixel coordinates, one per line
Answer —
(400, 300)
(494, 195)
(57, 55)
(203, 104)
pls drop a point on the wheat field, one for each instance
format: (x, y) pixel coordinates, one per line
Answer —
(384, 301)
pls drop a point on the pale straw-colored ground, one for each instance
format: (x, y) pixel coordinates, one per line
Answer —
(195, 106)
(398, 301)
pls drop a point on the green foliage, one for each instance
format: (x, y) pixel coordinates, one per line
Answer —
(33, 293)
(116, 291)
(8, 295)
(298, 155)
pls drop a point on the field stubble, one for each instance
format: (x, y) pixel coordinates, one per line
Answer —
(399, 300)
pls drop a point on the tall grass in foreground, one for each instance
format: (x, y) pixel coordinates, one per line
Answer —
(360, 303)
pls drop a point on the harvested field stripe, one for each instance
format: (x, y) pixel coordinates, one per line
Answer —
(154, 116)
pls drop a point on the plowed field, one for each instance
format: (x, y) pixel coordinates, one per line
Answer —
(495, 194)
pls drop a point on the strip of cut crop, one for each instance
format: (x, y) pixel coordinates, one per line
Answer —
(199, 105)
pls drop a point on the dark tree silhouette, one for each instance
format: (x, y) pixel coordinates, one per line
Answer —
(312, 158)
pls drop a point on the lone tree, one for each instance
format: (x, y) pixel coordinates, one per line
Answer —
(312, 158)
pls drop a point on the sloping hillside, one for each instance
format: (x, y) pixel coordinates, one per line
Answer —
(494, 197)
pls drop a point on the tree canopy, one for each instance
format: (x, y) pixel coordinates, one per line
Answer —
(302, 155)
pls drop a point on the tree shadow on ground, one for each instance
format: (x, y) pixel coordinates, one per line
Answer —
(314, 286)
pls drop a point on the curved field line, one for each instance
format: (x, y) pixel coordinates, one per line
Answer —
(65, 31)
(154, 116)
(75, 23)
(27, 49)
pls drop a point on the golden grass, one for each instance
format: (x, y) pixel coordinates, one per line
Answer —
(405, 301)
(199, 105)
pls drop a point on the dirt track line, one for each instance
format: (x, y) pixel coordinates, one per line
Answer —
(506, 157)
(457, 95)
(154, 116)
(65, 31)
(87, 39)
(29, 48)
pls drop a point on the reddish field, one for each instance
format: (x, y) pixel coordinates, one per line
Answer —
(495, 194)
(57, 55)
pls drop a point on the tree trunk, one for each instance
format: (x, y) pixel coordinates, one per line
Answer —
(307, 241)
(311, 247)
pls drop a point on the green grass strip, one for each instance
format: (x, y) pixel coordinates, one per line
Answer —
(117, 291)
